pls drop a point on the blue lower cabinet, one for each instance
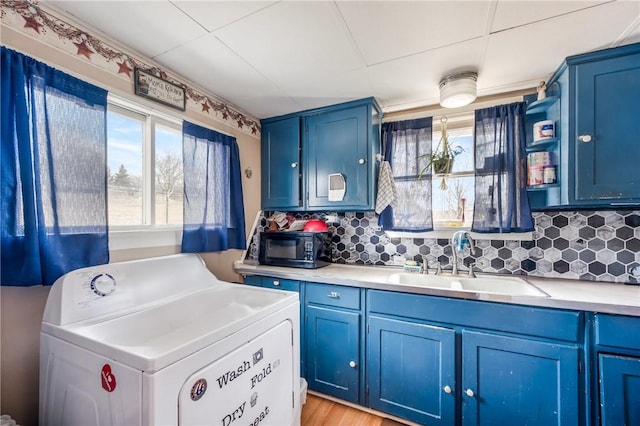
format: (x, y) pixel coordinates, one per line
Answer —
(287, 285)
(333, 351)
(253, 280)
(514, 381)
(411, 370)
(619, 390)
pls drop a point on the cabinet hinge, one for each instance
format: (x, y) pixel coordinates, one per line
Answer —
(367, 328)
(580, 367)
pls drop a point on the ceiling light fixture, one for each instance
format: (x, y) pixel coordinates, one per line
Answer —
(457, 90)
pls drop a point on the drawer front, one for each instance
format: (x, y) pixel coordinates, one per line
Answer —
(289, 285)
(254, 280)
(333, 295)
(526, 320)
(618, 331)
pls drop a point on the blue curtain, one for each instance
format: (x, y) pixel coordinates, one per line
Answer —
(213, 206)
(54, 183)
(406, 145)
(501, 204)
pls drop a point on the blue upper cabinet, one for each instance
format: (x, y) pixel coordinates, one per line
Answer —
(281, 166)
(600, 129)
(338, 144)
(301, 151)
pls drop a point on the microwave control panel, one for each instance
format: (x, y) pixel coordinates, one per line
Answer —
(308, 250)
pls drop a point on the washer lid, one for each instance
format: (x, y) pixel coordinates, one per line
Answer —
(153, 338)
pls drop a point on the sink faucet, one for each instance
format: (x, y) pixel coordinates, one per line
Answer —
(459, 241)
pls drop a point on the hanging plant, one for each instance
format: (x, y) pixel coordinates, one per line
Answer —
(441, 160)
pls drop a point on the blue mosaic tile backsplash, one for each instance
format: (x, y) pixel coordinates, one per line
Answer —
(586, 245)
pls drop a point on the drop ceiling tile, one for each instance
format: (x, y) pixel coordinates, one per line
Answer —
(293, 40)
(415, 79)
(213, 66)
(387, 30)
(330, 89)
(510, 13)
(536, 50)
(265, 106)
(632, 35)
(146, 27)
(216, 14)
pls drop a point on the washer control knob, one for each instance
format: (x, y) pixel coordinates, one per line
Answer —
(103, 284)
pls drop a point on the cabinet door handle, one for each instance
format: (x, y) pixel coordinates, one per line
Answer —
(469, 392)
(294, 165)
(584, 138)
(352, 364)
(362, 161)
(334, 295)
(447, 389)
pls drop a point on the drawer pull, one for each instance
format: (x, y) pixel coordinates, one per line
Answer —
(469, 392)
(584, 138)
(276, 283)
(334, 295)
(447, 389)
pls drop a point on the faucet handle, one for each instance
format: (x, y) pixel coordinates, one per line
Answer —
(438, 269)
(471, 273)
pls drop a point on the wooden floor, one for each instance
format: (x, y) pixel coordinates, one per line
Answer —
(323, 412)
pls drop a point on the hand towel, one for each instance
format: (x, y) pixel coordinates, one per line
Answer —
(387, 191)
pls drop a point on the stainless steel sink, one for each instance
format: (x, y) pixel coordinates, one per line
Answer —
(435, 281)
(513, 286)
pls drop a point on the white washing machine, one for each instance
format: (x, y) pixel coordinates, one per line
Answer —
(162, 341)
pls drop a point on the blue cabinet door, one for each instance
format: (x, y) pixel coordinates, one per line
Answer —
(280, 160)
(619, 390)
(512, 381)
(607, 145)
(411, 370)
(333, 352)
(337, 142)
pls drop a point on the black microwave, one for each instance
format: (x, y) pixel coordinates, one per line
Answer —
(309, 250)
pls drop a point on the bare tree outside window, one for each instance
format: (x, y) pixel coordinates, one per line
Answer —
(144, 156)
(168, 178)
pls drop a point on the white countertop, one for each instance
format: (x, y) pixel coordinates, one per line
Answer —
(590, 296)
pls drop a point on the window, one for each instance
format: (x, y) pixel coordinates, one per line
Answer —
(452, 196)
(452, 204)
(144, 159)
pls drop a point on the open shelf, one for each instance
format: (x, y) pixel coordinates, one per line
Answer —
(541, 105)
(543, 187)
(541, 145)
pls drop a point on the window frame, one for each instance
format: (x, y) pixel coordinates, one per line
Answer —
(454, 115)
(148, 234)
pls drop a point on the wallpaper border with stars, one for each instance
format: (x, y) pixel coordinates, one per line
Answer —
(28, 16)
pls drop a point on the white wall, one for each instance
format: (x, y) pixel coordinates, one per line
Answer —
(22, 307)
